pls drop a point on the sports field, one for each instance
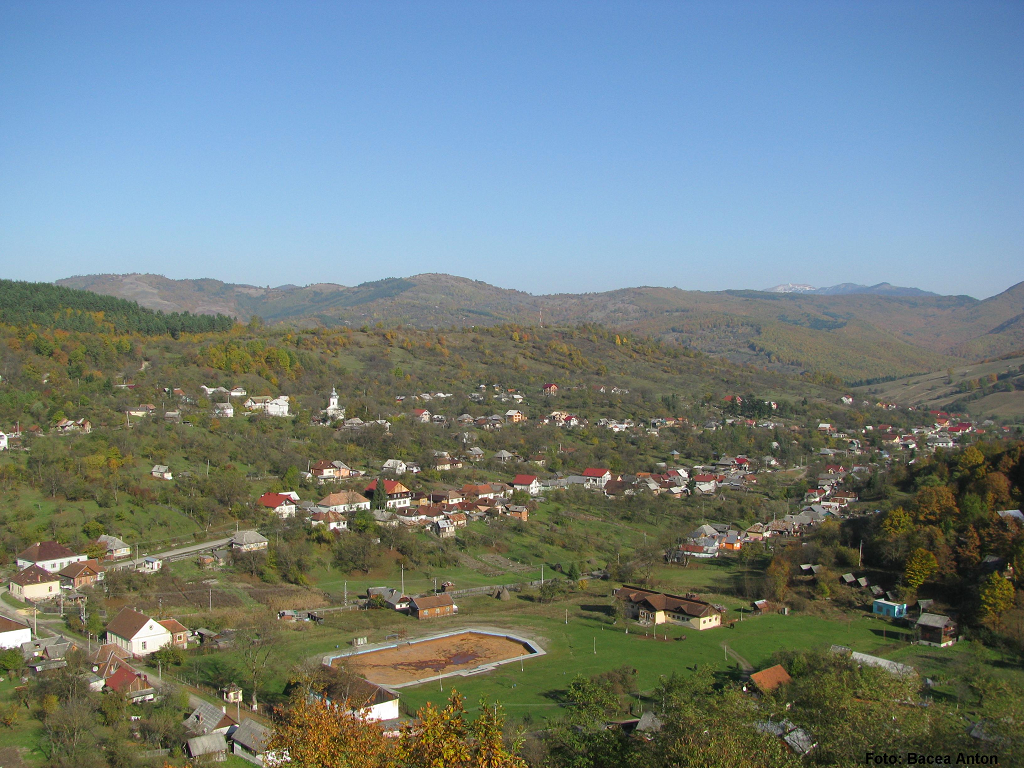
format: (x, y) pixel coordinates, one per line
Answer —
(453, 654)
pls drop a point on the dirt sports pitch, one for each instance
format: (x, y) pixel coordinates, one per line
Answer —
(459, 653)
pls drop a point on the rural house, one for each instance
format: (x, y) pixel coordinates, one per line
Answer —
(48, 555)
(33, 584)
(78, 575)
(137, 633)
(528, 483)
(114, 547)
(281, 504)
(248, 541)
(653, 608)
(432, 606)
(935, 629)
(344, 501)
(398, 495)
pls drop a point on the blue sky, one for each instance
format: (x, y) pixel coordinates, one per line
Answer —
(534, 145)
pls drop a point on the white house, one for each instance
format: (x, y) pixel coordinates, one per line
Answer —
(161, 472)
(282, 504)
(137, 633)
(344, 501)
(369, 701)
(115, 548)
(224, 410)
(3, 441)
(528, 483)
(13, 633)
(395, 466)
(596, 477)
(272, 406)
(333, 520)
(49, 555)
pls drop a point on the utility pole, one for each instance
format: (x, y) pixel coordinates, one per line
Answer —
(346, 593)
(403, 579)
(211, 598)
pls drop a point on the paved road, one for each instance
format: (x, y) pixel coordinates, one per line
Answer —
(180, 554)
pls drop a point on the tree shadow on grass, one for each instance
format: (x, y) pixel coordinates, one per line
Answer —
(892, 634)
(606, 610)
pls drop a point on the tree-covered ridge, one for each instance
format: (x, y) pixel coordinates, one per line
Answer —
(54, 307)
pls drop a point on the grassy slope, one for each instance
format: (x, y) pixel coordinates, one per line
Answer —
(936, 390)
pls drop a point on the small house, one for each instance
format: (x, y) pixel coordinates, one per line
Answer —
(433, 606)
(248, 541)
(134, 686)
(249, 741)
(889, 609)
(281, 504)
(137, 633)
(78, 575)
(179, 632)
(211, 748)
(161, 472)
(528, 483)
(936, 629)
(34, 583)
(114, 547)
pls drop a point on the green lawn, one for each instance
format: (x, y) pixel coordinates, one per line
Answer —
(570, 647)
(570, 651)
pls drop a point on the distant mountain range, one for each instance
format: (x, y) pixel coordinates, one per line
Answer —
(853, 333)
(882, 289)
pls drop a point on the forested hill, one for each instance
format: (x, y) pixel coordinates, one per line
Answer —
(854, 337)
(55, 307)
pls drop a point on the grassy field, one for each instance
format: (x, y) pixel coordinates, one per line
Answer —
(938, 389)
(570, 632)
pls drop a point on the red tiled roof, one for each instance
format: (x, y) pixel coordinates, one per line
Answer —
(524, 479)
(595, 472)
(122, 680)
(771, 678)
(274, 500)
(173, 626)
(390, 487)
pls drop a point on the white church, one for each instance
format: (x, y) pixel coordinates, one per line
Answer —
(333, 410)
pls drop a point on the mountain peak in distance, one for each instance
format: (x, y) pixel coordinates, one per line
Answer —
(881, 289)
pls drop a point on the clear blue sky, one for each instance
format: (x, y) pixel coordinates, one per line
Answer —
(544, 146)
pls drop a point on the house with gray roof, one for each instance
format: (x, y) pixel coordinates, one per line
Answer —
(249, 741)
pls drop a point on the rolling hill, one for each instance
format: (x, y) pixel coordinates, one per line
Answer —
(851, 336)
